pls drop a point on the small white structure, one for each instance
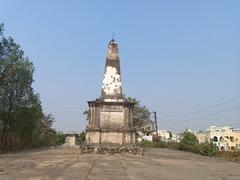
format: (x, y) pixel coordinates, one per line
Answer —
(144, 137)
(70, 140)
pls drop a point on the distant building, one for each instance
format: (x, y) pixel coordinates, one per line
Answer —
(164, 135)
(224, 137)
(237, 138)
(203, 136)
(175, 137)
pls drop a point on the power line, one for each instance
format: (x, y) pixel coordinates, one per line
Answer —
(208, 115)
(207, 108)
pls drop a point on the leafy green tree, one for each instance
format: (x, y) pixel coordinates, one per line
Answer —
(188, 138)
(82, 137)
(141, 116)
(44, 134)
(170, 134)
(20, 106)
(22, 122)
(59, 138)
(188, 142)
(208, 149)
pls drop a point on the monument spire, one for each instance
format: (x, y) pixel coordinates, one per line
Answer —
(112, 84)
(110, 117)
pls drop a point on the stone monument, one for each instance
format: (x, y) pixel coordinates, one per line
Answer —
(111, 116)
(70, 140)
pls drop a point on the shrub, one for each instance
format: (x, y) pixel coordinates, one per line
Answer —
(187, 147)
(189, 142)
(173, 145)
(188, 138)
(227, 155)
(147, 144)
(208, 149)
(82, 137)
(163, 144)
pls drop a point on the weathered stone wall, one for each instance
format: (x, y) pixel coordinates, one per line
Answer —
(111, 137)
(93, 137)
(130, 138)
(112, 117)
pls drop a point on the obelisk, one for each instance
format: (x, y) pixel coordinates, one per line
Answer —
(110, 116)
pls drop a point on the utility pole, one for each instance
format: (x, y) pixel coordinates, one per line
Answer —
(156, 125)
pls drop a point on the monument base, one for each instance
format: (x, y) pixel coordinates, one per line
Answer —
(111, 148)
(117, 136)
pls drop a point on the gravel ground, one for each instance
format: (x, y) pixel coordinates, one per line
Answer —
(163, 164)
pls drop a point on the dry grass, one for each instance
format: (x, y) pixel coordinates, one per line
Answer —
(230, 156)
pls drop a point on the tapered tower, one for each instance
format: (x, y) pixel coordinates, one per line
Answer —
(112, 84)
(110, 116)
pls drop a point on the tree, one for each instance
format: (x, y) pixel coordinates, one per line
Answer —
(170, 134)
(141, 116)
(188, 142)
(22, 122)
(82, 137)
(87, 113)
(208, 149)
(20, 106)
(44, 134)
(59, 138)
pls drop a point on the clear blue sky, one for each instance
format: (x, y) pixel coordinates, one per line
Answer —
(176, 56)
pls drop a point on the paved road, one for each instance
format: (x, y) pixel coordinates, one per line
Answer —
(69, 164)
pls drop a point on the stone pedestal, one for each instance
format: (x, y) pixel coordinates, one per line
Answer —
(110, 122)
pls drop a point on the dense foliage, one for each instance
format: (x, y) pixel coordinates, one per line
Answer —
(141, 115)
(188, 142)
(208, 149)
(228, 155)
(81, 139)
(22, 122)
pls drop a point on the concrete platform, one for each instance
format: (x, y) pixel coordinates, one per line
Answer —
(163, 164)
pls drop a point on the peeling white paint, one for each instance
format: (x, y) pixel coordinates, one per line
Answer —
(111, 81)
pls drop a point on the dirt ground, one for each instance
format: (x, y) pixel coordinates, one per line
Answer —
(163, 164)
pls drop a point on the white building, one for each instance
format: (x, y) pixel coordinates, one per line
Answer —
(224, 137)
(175, 137)
(164, 135)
